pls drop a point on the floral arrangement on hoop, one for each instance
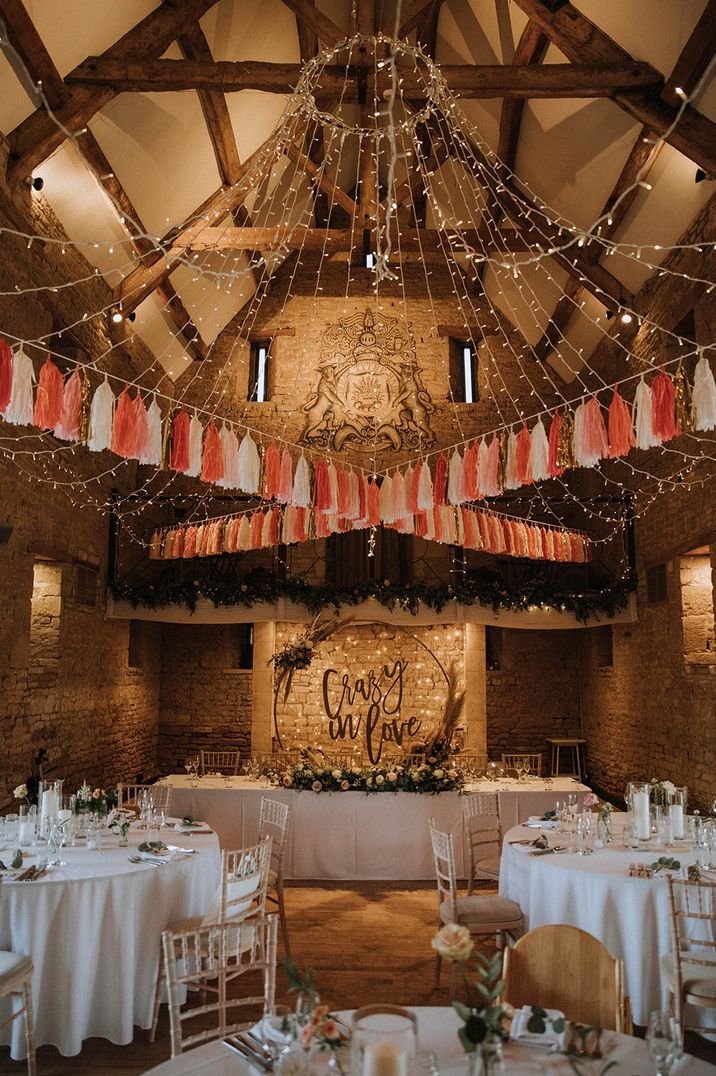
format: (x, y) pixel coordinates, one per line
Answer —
(385, 777)
(97, 801)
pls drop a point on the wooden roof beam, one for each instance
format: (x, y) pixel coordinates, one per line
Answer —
(194, 46)
(471, 81)
(337, 239)
(33, 140)
(325, 182)
(582, 41)
(413, 12)
(530, 50)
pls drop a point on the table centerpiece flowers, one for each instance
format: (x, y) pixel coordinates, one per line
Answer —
(312, 774)
(119, 822)
(603, 811)
(486, 1020)
(94, 801)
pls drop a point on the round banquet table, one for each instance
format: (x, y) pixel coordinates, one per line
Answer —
(629, 915)
(343, 836)
(437, 1031)
(93, 930)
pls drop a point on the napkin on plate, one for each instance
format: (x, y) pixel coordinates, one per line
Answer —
(550, 1038)
(536, 821)
(194, 827)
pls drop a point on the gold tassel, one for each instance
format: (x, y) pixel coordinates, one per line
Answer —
(167, 441)
(504, 442)
(683, 400)
(565, 448)
(85, 419)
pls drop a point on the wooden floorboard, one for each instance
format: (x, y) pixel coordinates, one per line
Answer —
(366, 943)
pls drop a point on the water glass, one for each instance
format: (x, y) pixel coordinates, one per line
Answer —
(278, 1030)
(585, 834)
(660, 1041)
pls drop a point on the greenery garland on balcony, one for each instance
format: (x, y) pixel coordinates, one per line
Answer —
(489, 591)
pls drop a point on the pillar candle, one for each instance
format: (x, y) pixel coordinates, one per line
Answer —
(677, 820)
(384, 1059)
(48, 810)
(642, 821)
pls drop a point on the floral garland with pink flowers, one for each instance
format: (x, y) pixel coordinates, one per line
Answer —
(420, 777)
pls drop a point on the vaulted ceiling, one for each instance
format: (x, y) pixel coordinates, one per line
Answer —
(174, 98)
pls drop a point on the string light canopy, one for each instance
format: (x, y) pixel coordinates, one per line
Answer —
(375, 167)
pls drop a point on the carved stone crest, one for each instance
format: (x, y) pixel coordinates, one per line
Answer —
(369, 390)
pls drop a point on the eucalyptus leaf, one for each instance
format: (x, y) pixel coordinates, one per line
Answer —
(2, 866)
(17, 860)
(536, 1024)
(467, 1044)
(462, 1010)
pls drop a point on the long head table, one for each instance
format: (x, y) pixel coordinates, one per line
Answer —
(93, 930)
(345, 836)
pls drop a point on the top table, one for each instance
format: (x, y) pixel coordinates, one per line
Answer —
(343, 836)
(93, 930)
(437, 1031)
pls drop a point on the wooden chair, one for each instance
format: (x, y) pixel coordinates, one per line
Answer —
(130, 797)
(532, 758)
(240, 899)
(224, 762)
(690, 968)
(213, 958)
(482, 836)
(273, 824)
(482, 914)
(16, 981)
(559, 966)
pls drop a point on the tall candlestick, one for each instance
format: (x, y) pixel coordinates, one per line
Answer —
(677, 820)
(642, 821)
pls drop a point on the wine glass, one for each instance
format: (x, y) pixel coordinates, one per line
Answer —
(660, 1041)
(278, 1030)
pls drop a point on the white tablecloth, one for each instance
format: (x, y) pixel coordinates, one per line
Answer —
(346, 836)
(437, 1031)
(93, 930)
(630, 915)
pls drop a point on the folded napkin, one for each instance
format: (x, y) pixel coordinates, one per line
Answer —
(550, 1038)
(541, 823)
(195, 827)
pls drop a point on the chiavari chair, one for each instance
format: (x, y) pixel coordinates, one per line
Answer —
(224, 762)
(16, 981)
(483, 836)
(690, 967)
(273, 824)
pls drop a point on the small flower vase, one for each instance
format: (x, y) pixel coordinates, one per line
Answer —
(123, 838)
(604, 829)
(487, 1060)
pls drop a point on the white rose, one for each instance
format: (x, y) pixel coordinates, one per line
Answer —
(438, 774)
(337, 774)
(392, 776)
(20, 792)
(452, 774)
(380, 780)
(453, 942)
(356, 770)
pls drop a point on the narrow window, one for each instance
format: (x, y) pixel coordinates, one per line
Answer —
(463, 371)
(86, 585)
(242, 646)
(135, 654)
(259, 371)
(656, 590)
(493, 648)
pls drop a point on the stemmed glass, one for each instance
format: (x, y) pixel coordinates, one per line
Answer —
(663, 1040)
(191, 765)
(278, 1030)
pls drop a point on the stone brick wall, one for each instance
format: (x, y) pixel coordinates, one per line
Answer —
(535, 691)
(205, 700)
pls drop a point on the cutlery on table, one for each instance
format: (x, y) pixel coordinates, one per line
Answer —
(27, 875)
(38, 873)
(235, 1042)
(138, 859)
(547, 851)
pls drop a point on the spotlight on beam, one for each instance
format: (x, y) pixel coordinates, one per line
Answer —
(702, 175)
(36, 183)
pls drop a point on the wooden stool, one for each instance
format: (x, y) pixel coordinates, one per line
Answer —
(576, 746)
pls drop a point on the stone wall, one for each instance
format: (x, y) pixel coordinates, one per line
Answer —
(534, 691)
(205, 698)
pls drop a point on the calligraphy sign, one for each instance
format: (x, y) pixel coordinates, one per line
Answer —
(370, 707)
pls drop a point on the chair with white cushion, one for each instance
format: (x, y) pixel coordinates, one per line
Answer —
(16, 982)
(224, 762)
(240, 898)
(690, 967)
(134, 797)
(483, 836)
(482, 914)
(273, 823)
(213, 958)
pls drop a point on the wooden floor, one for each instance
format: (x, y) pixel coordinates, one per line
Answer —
(367, 943)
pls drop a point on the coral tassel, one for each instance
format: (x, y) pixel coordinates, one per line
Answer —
(373, 505)
(212, 461)
(123, 425)
(590, 435)
(664, 415)
(272, 471)
(49, 399)
(180, 439)
(68, 428)
(621, 430)
(323, 487)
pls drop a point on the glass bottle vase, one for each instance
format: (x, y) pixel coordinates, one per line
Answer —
(487, 1059)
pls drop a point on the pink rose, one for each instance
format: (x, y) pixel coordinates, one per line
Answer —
(330, 1030)
(345, 785)
(96, 794)
(392, 776)
(590, 800)
(287, 779)
(307, 1034)
(316, 786)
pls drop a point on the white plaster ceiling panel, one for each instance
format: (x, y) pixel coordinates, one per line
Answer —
(15, 103)
(528, 301)
(152, 325)
(161, 154)
(651, 30)
(586, 329)
(86, 212)
(586, 144)
(212, 297)
(252, 30)
(75, 29)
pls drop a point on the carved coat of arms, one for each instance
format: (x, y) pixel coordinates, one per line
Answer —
(369, 389)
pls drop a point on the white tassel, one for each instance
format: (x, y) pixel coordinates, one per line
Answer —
(703, 399)
(101, 413)
(230, 450)
(354, 495)
(386, 500)
(426, 497)
(539, 453)
(643, 413)
(19, 409)
(196, 434)
(153, 453)
(454, 470)
(249, 466)
(301, 495)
